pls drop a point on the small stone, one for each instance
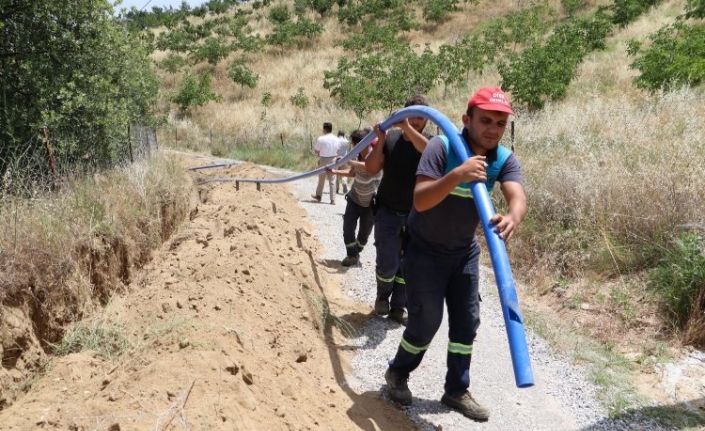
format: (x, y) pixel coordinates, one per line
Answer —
(233, 369)
(247, 376)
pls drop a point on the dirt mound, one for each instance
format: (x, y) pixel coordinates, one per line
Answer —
(231, 326)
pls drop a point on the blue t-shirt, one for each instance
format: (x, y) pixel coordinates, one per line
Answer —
(449, 227)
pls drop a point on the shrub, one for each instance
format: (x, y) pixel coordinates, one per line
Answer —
(212, 50)
(241, 74)
(627, 11)
(300, 99)
(279, 14)
(194, 93)
(675, 58)
(543, 72)
(438, 10)
(680, 279)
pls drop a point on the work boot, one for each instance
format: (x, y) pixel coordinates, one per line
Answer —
(466, 405)
(397, 388)
(382, 306)
(350, 260)
(316, 197)
(398, 315)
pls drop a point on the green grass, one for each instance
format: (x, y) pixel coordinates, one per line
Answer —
(106, 339)
(280, 157)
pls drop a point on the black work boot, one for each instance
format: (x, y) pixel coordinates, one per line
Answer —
(398, 315)
(382, 306)
(350, 260)
(397, 388)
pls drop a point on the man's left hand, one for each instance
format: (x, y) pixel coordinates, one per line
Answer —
(505, 226)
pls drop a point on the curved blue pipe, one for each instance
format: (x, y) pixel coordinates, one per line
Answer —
(523, 375)
(367, 140)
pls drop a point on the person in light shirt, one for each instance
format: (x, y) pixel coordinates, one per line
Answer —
(327, 150)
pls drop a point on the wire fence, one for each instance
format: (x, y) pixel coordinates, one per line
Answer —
(47, 158)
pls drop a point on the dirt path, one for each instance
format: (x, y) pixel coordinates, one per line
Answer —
(230, 329)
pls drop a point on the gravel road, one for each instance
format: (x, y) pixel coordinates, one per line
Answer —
(562, 399)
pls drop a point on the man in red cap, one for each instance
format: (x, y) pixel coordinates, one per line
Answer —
(442, 252)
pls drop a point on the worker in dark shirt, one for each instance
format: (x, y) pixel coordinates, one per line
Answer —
(397, 153)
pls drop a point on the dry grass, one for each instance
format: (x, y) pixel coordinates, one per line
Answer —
(65, 250)
(600, 166)
(610, 172)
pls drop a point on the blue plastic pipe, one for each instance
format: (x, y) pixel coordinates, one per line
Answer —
(523, 374)
(367, 140)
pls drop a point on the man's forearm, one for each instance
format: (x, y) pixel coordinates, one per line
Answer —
(373, 162)
(429, 192)
(416, 138)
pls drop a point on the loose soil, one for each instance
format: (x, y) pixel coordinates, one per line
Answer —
(231, 327)
(234, 325)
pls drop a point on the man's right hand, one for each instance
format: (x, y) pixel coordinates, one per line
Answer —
(474, 169)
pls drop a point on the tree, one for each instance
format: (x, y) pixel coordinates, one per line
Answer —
(241, 74)
(383, 80)
(73, 68)
(172, 63)
(212, 50)
(194, 92)
(675, 58)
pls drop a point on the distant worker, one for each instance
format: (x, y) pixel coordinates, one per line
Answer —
(442, 252)
(359, 206)
(397, 153)
(326, 149)
(342, 151)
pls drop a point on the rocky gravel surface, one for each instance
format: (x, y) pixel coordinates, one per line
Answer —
(561, 399)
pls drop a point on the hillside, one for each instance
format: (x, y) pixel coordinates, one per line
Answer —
(611, 204)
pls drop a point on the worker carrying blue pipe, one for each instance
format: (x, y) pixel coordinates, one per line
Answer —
(442, 252)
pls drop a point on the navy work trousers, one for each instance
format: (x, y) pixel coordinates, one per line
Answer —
(389, 228)
(430, 280)
(354, 212)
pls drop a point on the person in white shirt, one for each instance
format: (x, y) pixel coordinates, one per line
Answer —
(342, 151)
(326, 148)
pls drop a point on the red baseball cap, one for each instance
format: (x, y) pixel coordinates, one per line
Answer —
(491, 99)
